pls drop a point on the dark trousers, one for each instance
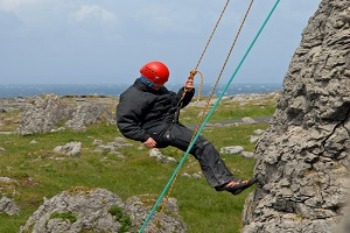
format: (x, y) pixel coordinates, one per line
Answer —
(179, 136)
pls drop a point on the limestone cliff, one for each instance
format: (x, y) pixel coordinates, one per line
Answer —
(304, 156)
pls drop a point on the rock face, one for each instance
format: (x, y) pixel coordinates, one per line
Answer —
(304, 156)
(99, 210)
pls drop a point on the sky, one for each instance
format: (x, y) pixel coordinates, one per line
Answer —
(107, 41)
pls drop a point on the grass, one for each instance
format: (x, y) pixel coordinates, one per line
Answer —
(40, 174)
(122, 217)
(64, 215)
(231, 110)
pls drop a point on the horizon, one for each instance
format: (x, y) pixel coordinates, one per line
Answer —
(24, 90)
(61, 41)
(128, 84)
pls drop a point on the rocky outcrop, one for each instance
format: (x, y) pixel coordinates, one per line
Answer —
(304, 157)
(43, 114)
(8, 188)
(99, 210)
(169, 221)
(87, 114)
(112, 147)
(48, 113)
(8, 206)
(72, 149)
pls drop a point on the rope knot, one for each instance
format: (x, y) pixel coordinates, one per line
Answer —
(192, 74)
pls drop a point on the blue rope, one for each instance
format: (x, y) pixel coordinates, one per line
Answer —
(172, 177)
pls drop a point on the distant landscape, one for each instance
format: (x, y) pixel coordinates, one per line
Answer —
(28, 90)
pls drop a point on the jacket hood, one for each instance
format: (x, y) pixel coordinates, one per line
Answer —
(143, 87)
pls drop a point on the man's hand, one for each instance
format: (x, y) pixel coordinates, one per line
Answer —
(150, 143)
(188, 85)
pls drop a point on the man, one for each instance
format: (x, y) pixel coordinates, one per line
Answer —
(148, 112)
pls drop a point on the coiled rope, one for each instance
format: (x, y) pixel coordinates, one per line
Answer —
(212, 110)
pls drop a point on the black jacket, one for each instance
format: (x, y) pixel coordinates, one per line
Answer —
(141, 108)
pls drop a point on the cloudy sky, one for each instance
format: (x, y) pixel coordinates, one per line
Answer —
(106, 41)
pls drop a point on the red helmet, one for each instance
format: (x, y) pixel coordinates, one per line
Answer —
(156, 72)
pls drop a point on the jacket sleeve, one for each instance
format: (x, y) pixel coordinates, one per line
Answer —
(187, 98)
(129, 115)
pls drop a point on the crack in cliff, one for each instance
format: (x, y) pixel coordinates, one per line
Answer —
(340, 124)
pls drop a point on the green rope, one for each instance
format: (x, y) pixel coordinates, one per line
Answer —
(177, 169)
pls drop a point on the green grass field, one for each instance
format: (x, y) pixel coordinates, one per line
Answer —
(203, 210)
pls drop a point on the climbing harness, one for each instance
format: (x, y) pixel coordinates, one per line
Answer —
(171, 180)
